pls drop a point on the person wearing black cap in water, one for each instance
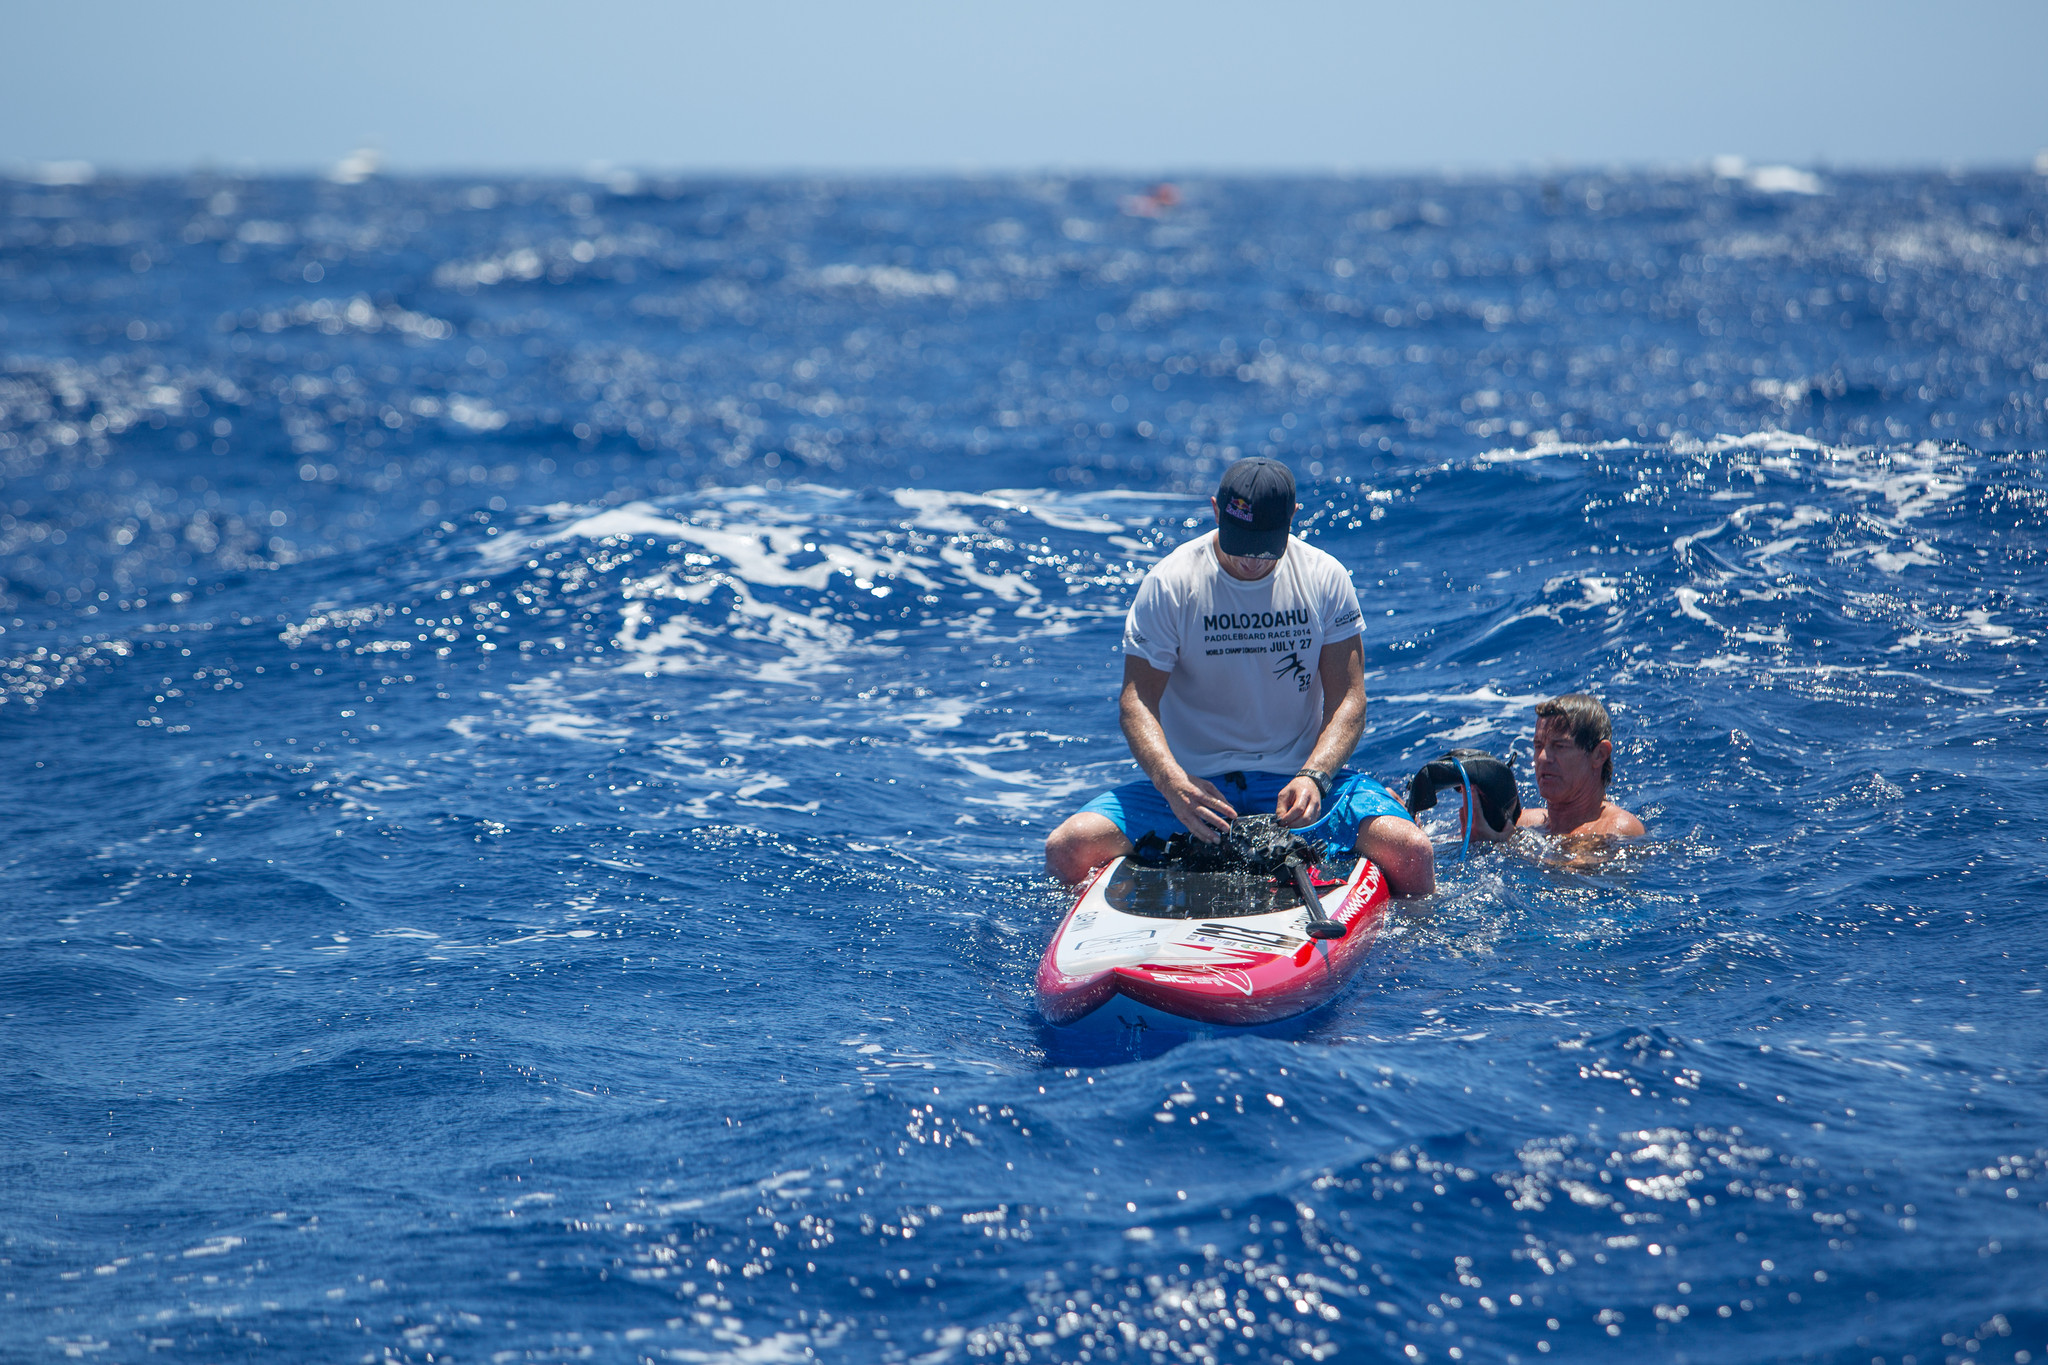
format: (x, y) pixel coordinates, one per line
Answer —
(1244, 693)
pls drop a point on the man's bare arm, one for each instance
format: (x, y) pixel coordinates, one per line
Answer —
(1342, 669)
(1196, 803)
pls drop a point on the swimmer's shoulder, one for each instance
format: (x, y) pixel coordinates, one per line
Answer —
(1612, 822)
(1617, 823)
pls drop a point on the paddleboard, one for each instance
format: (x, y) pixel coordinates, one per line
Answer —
(1211, 947)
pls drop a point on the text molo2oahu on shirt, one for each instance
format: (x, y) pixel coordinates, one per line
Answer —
(1244, 694)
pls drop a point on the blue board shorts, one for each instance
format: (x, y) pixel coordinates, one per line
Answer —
(1138, 809)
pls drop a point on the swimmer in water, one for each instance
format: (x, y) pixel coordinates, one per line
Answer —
(1574, 763)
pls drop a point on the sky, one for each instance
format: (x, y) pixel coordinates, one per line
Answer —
(996, 85)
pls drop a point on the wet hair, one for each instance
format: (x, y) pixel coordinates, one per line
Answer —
(1587, 720)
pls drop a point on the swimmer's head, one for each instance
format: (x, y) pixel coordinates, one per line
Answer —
(1492, 784)
(1581, 716)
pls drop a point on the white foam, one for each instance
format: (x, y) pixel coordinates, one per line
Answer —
(1689, 605)
(1910, 486)
(940, 713)
(576, 726)
(1546, 449)
(1767, 179)
(1976, 624)
(749, 793)
(474, 413)
(1029, 788)
(1600, 590)
(683, 642)
(941, 509)
(1471, 729)
(1784, 180)
(890, 281)
(779, 1183)
(358, 166)
(757, 551)
(1770, 439)
(213, 1246)
(771, 589)
(1478, 696)
(1010, 587)
(1895, 561)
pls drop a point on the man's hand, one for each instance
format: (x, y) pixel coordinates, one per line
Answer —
(1199, 806)
(1300, 803)
(1196, 804)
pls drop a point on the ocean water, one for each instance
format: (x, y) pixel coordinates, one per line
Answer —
(530, 709)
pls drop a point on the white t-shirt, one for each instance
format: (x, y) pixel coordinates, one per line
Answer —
(1245, 695)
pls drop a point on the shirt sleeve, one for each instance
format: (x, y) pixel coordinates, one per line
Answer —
(1152, 628)
(1342, 618)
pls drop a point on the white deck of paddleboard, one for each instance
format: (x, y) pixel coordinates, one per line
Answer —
(1098, 937)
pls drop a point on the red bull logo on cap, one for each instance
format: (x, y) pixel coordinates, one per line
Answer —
(1239, 506)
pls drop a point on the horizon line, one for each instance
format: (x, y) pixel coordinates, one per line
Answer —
(55, 172)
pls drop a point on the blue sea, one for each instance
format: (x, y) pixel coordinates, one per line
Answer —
(529, 711)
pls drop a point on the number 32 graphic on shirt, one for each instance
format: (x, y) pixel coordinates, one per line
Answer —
(1292, 667)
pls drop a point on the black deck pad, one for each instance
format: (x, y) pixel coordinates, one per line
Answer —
(1167, 891)
(1247, 873)
(1256, 844)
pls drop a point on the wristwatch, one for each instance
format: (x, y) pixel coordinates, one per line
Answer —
(1320, 778)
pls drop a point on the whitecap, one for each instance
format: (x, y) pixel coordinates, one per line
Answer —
(1976, 624)
(1547, 449)
(576, 726)
(890, 281)
(1784, 180)
(1480, 696)
(474, 413)
(941, 509)
(213, 1246)
(1689, 605)
(1911, 490)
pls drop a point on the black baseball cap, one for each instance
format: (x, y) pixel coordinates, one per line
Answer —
(1255, 508)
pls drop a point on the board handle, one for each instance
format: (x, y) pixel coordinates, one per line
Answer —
(1320, 925)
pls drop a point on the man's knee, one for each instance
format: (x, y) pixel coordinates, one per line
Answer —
(1403, 853)
(1081, 844)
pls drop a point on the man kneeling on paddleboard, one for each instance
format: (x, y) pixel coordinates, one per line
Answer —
(1244, 693)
